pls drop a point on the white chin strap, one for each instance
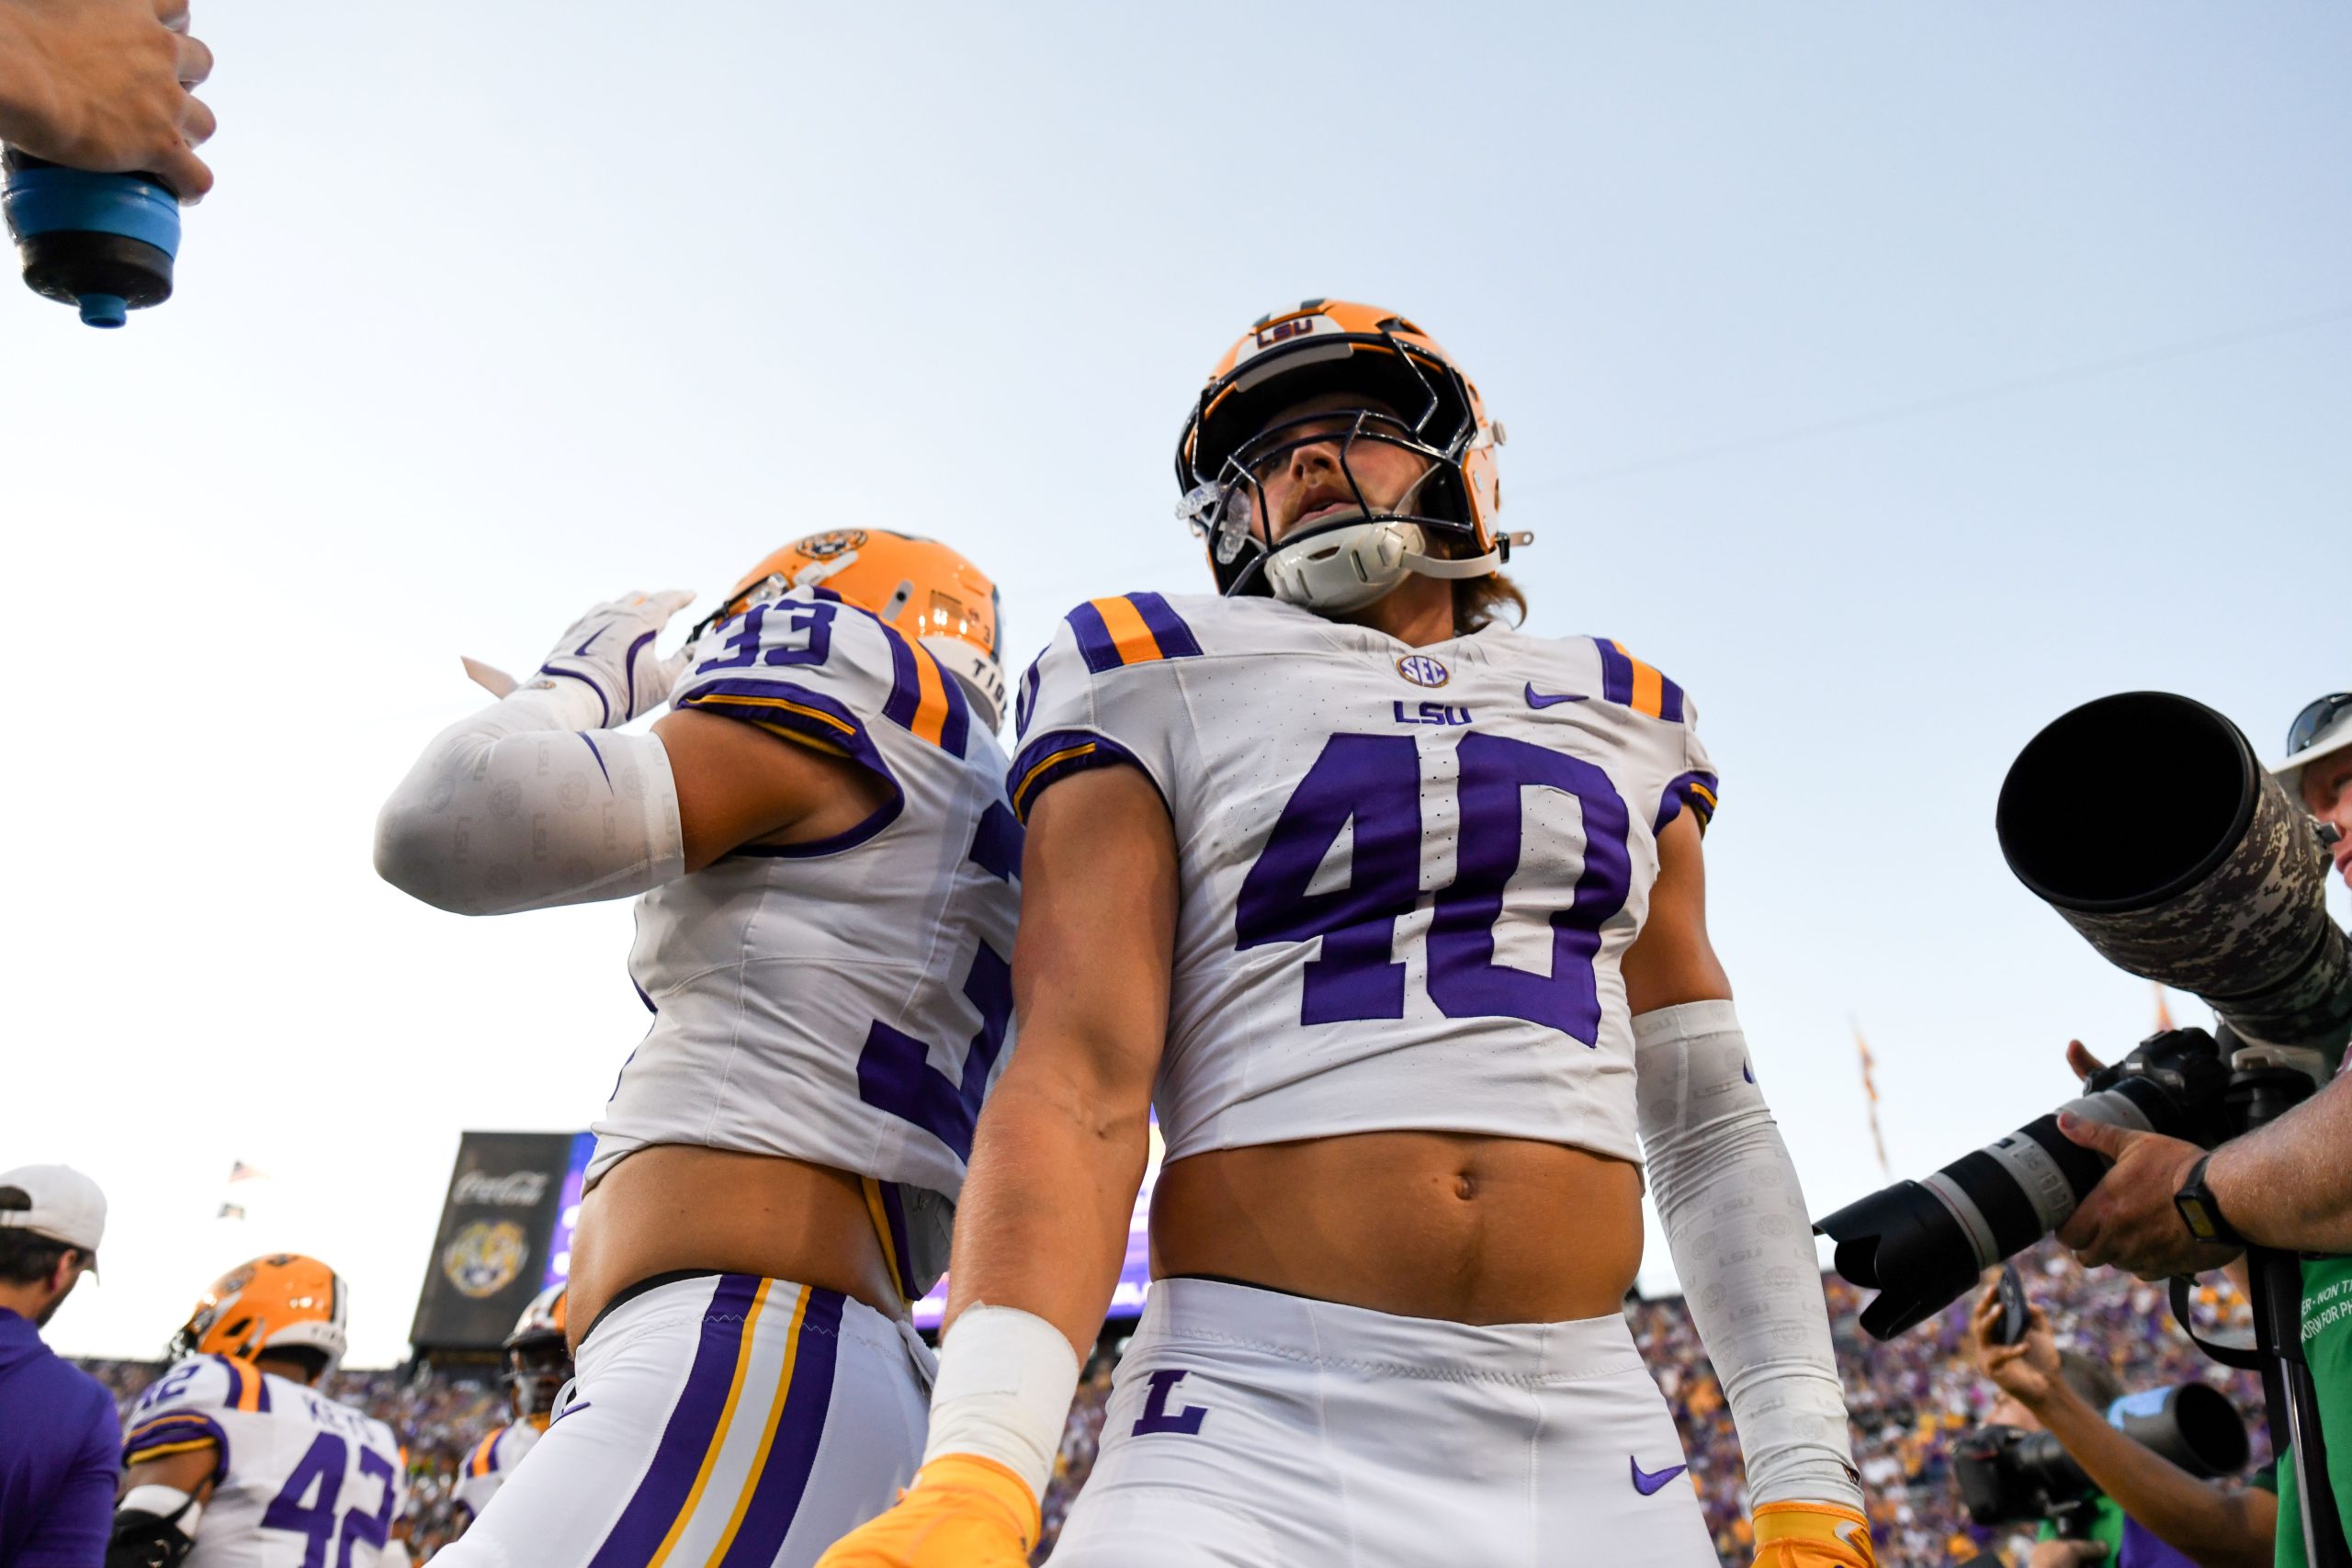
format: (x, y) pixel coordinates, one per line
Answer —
(1347, 568)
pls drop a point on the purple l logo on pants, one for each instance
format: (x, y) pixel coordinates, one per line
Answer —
(1156, 1416)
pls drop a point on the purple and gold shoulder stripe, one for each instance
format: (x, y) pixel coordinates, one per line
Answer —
(1058, 754)
(1694, 790)
(177, 1432)
(484, 1459)
(924, 698)
(1626, 679)
(1131, 628)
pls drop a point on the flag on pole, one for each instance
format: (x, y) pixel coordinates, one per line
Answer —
(241, 1172)
(231, 1212)
(1870, 1092)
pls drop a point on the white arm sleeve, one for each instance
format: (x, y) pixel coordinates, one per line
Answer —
(527, 806)
(1742, 1242)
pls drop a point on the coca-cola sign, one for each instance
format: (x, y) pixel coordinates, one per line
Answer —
(516, 1190)
(496, 1241)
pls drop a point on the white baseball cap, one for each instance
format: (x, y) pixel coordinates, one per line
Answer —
(2322, 730)
(66, 1206)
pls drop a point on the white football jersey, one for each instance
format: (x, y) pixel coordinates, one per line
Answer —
(493, 1460)
(1408, 874)
(301, 1481)
(847, 1002)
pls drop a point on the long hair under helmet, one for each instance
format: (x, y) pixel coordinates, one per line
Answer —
(924, 590)
(1352, 556)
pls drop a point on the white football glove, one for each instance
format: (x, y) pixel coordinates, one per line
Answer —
(608, 653)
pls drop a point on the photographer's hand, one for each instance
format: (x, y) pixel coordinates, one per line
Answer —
(2027, 1371)
(2128, 1220)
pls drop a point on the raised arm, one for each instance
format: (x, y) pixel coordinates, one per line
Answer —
(538, 799)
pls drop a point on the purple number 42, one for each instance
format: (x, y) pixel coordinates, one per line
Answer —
(1374, 782)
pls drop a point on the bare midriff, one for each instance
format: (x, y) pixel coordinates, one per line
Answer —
(1444, 1226)
(676, 1207)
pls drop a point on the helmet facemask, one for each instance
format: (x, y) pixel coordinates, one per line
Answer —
(1354, 553)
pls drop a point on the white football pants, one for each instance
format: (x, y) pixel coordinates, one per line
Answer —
(721, 1419)
(1247, 1428)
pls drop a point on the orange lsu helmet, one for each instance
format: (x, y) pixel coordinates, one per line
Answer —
(284, 1300)
(920, 587)
(1318, 346)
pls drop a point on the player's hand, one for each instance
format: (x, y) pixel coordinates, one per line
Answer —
(1812, 1535)
(962, 1512)
(102, 85)
(610, 650)
(2066, 1554)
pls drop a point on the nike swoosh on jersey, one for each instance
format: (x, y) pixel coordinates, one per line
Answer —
(1647, 1482)
(583, 649)
(1536, 699)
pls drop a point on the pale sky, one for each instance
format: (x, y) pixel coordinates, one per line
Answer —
(498, 311)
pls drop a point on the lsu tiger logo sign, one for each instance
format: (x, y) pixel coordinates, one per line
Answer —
(484, 1257)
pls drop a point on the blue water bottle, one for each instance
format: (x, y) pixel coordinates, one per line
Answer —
(104, 242)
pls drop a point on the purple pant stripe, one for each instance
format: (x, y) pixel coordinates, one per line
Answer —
(776, 1491)
(1168, 629)
(693, 1426)
(1095, 639)
(1669, 701)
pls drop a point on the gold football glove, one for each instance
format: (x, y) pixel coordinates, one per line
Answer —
(962, 1511)
(1812, 1535)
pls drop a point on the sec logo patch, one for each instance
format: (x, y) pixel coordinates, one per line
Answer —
(1423, 671)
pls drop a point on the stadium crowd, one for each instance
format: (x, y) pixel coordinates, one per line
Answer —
(1911, 1399)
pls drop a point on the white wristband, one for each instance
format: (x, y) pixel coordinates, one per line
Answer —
(1006, 1379)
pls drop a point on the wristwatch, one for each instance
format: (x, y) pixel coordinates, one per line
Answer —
(2200, 1212)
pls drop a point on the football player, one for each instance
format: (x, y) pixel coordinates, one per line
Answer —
(234, 1458)
(818, 829)
(538, 1364)
(1397, 915)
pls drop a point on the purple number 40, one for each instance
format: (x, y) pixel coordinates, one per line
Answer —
(1374, 782)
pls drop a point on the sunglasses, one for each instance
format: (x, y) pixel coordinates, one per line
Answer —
(2316, 716)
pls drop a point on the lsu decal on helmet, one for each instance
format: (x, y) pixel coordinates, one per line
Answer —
(538, 1360)
(1415, 398)
(282, 1302)
(925, 591)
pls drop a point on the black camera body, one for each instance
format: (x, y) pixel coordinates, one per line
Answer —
(2008, 1475)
